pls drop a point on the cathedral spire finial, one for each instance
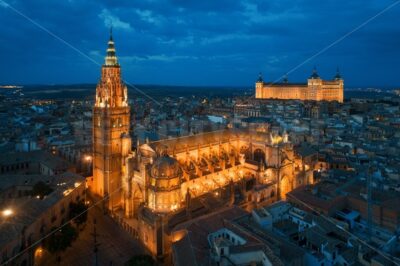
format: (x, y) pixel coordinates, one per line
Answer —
(111, 58)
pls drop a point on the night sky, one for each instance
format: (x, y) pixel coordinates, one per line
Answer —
(199, 42)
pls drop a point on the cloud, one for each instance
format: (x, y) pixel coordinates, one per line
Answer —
(223, 38)
(96, 53)
(220, 6)
(257, 14)
(148, 16)
(111, 20)
(188, 37)
(158, 57)
(3, 4)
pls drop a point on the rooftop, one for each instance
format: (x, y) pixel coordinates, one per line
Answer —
(26, 210)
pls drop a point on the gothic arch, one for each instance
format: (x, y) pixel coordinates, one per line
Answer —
(137, 191)
(286, 185)
(246, 151)
(259, 155)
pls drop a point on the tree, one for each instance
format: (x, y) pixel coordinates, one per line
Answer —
(78, 212)
(141, 260)
(61, 239)
(41, 189)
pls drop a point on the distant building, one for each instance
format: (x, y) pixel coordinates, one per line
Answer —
(40, 162)
(32, 217)
(315, 89)
(216, 240)
(247, 110)
(26, 145)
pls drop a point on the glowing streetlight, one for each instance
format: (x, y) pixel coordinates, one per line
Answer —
(87, 163)
(7, 212)
(38, 253)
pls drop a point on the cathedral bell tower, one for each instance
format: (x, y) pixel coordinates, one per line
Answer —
(111, 120)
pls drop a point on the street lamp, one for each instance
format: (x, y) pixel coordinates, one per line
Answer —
(88, 158)
(7, 212)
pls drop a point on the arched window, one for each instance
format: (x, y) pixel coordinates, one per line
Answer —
(259, 155)
(246, 151)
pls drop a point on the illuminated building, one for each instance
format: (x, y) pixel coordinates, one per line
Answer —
(111, 116)
(166, 182)
(169, 175)
(316, 89)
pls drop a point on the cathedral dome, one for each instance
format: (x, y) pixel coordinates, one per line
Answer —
(165, 185)
(165, 174)
(166, 167)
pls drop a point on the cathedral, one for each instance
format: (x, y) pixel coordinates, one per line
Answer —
(316, 89)
(155, 187)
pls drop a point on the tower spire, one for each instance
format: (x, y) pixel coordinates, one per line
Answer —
(314, 74)
(338, 76)
(111, 58)
(260, 78)
(285, 78)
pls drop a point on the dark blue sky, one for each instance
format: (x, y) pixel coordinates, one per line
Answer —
(200, 42)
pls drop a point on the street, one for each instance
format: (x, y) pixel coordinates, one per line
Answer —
(115, 246)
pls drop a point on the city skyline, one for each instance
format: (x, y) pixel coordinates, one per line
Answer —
(200, 44)
(290, 170)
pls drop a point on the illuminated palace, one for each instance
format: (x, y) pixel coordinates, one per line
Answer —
(161, 184)
(316, 89)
